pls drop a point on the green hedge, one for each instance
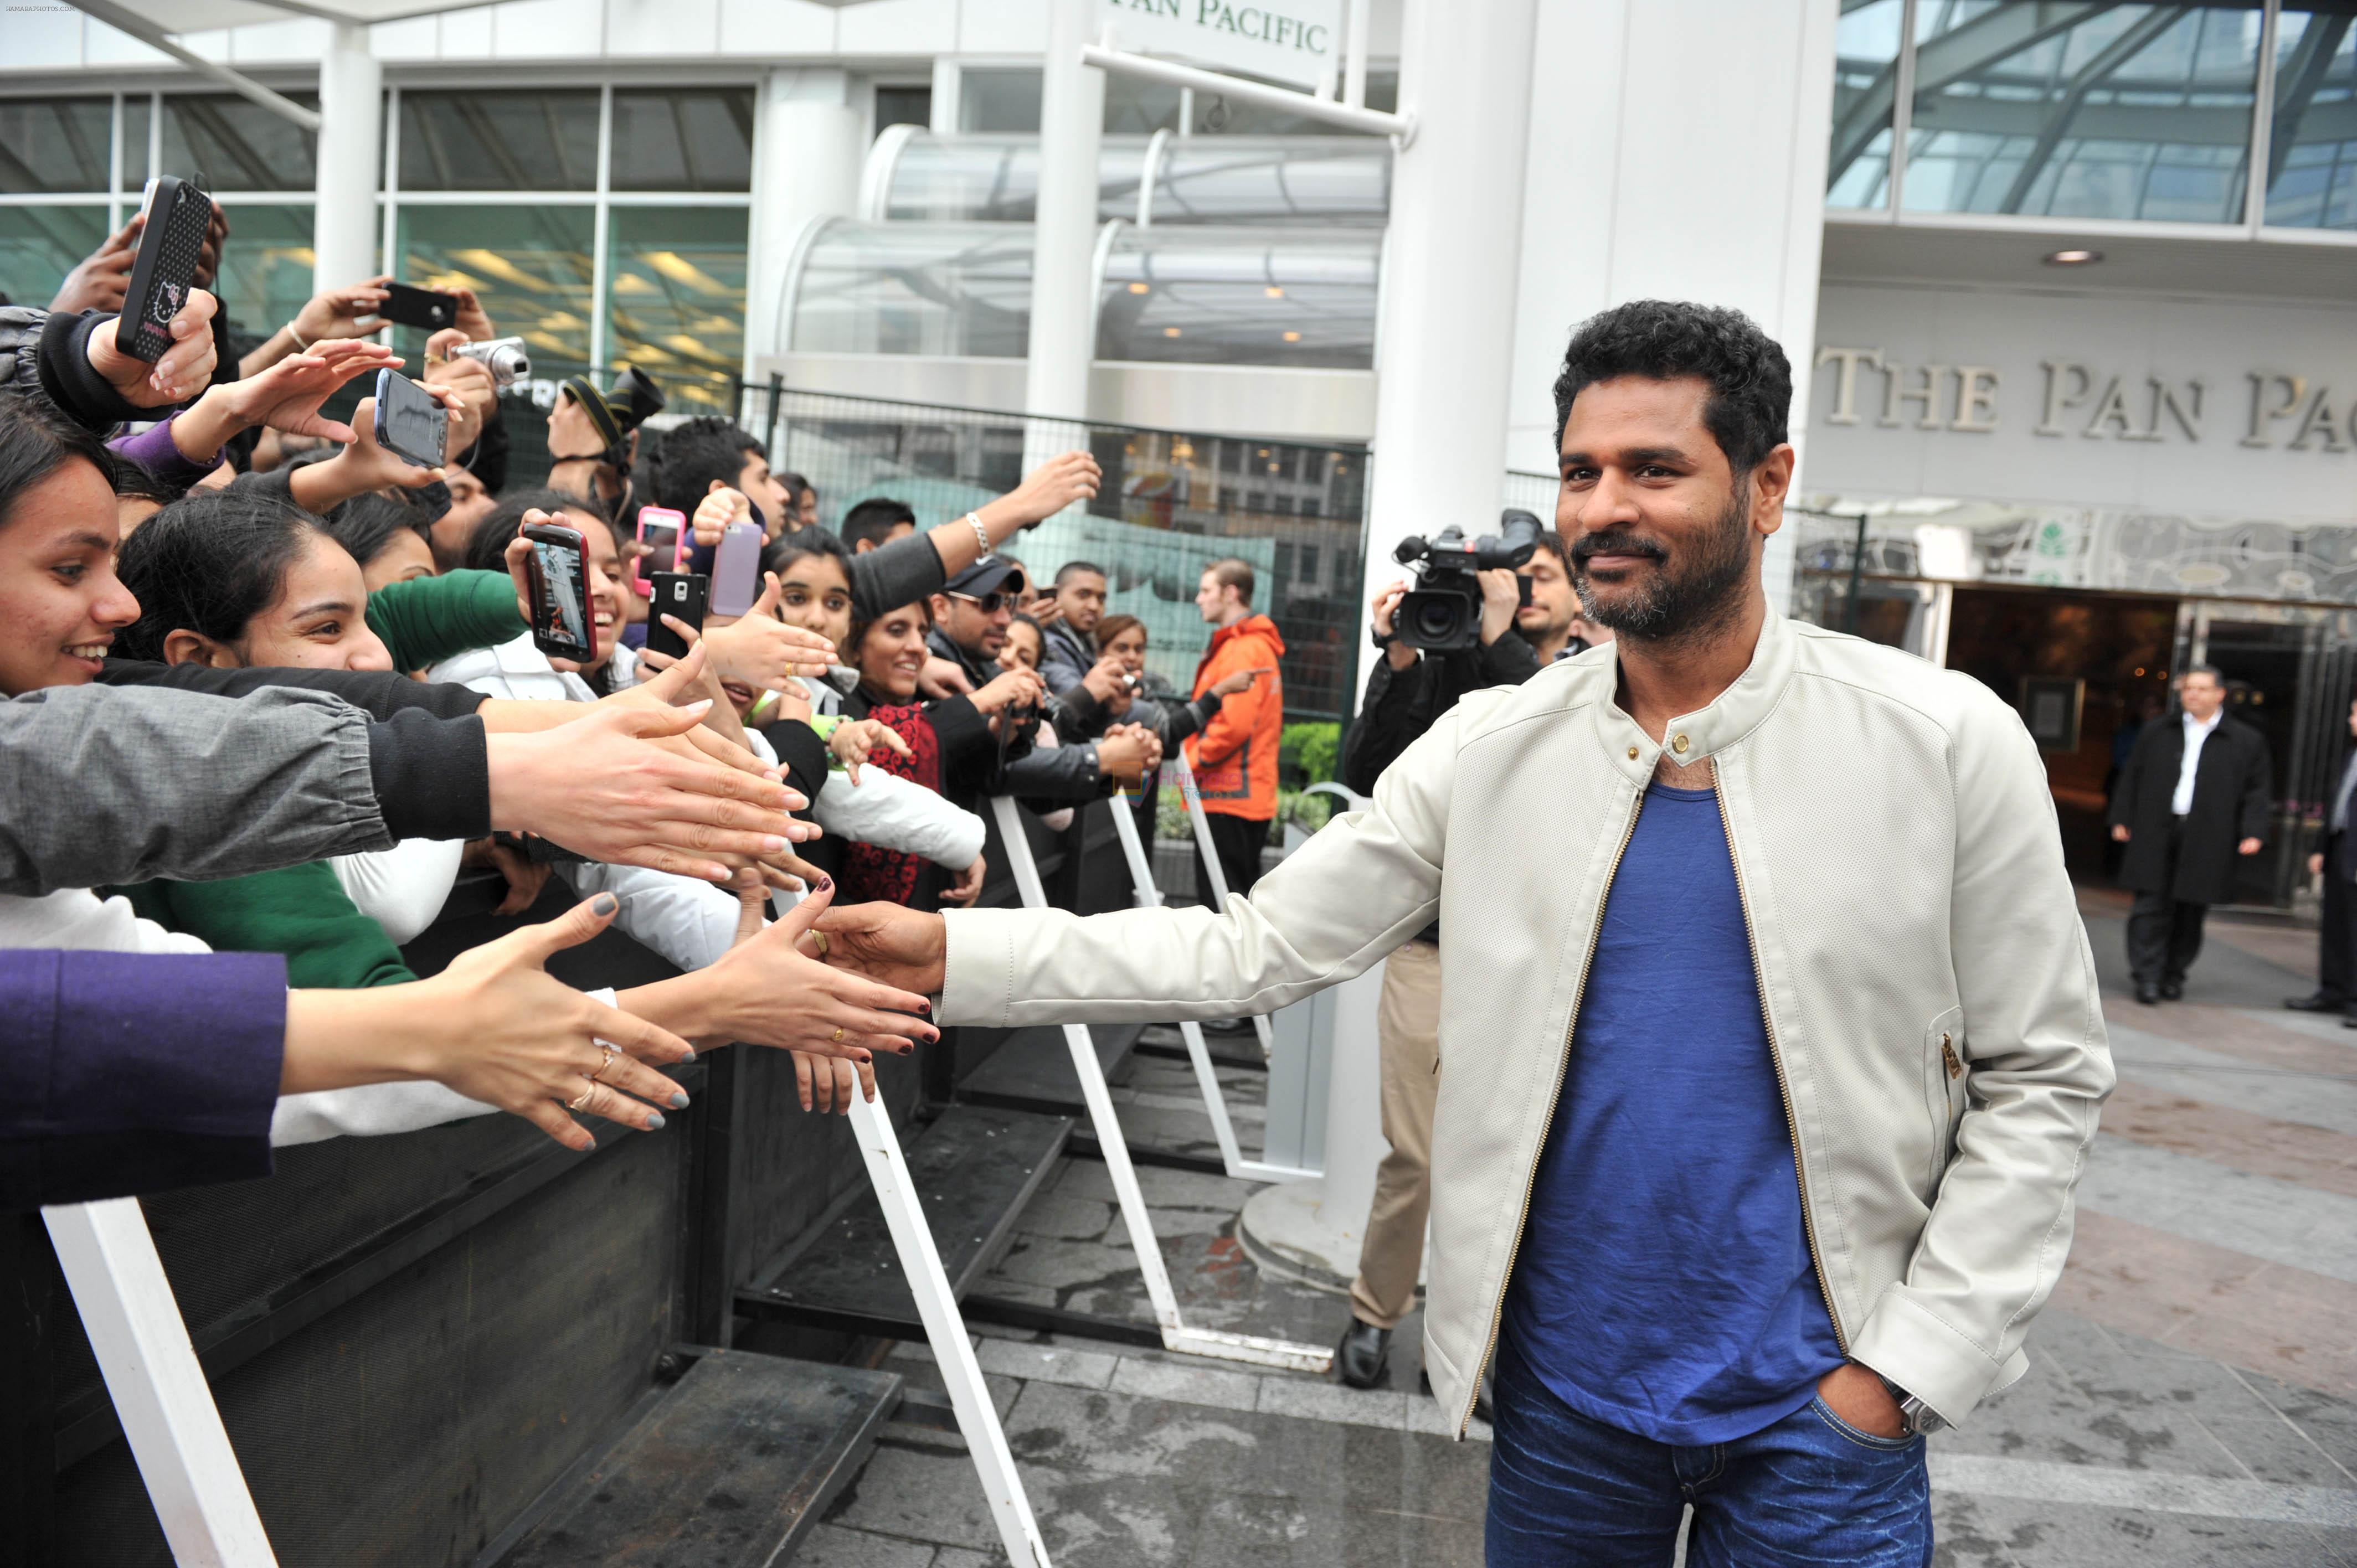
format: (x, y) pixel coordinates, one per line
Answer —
(1315, 748)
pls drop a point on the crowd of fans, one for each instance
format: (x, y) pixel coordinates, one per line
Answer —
(274, 693)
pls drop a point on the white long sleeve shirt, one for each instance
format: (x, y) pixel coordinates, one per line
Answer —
(2196, 733)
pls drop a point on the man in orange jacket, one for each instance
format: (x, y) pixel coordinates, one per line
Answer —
(1235, 757)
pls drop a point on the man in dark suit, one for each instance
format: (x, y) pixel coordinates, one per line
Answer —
(2194, 797)
(2336, 862)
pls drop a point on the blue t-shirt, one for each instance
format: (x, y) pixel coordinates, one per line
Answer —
(1665, 1285)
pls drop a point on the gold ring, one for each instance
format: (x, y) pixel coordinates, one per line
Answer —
(581, 1101)
(836, 1038)
(818, 940)
(608, 1062)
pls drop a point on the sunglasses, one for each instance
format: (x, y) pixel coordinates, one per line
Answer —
(996, 599)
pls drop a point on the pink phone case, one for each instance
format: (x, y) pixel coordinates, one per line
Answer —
(676, 561)
(736, 570)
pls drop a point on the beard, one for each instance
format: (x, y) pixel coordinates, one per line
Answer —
(1684, 595)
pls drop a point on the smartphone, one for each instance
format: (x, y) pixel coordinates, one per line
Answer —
(410, 422)
(665, 533)
(680, 593)
(409, 305)
(558, 572)
(736, 569)
(179, 211)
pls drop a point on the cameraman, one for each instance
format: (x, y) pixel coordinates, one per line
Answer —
(1409, 691)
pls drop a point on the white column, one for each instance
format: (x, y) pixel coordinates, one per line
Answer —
(1446, 329)
(1641, 187)
(1063, 306)
(807, 158)
(351, 116)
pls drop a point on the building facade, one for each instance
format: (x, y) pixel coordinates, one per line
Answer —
(2068, 287)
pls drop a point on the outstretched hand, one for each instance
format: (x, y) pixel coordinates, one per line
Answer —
(771, 991)
(886, 942)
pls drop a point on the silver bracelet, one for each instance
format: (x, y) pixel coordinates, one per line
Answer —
(981, 534)
(300, 346)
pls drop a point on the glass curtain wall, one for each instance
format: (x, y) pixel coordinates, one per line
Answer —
(605, 226)
(2207, 115)
(73, 169)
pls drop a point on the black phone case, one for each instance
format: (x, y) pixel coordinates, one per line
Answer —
(405, 305)
(386, 380)
(680, 593)
(547, 641)
(165, 268)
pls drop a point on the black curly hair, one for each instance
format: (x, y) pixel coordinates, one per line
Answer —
(1751, 380)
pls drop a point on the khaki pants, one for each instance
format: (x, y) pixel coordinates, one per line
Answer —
(1407, 1029)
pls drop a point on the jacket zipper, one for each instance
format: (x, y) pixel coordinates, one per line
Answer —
(1563, 1063)
(1776, 1055)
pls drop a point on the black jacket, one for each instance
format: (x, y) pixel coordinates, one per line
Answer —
(1401, 705)
(1053, 776)
(47, 356)
(2233, 790)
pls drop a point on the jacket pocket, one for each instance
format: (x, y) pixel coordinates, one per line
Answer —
(1944, 1088)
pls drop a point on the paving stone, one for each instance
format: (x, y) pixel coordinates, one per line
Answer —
(1332, 1403)
(833, 1546)
(1067, 1219)
(1045, 1363)
(1187, 1385)
(958, 1557)
(918, 1496)
(1975, 1530)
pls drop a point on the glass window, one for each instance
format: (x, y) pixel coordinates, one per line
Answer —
(675, 299)
(237, 144)
(136, 114)
(39, 245)
(1240, 296)
(916, 289)
(2312, 152)
(55, 143)
(530, 266)
(679, 139)
(903, 106)
(1000, 100)
(499, 139)
(1342, 180)
(1866, 85)
(1139, 107)
(995, 178)
(2133, 111)
(266, 271)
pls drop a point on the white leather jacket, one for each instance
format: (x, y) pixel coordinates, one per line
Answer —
(1930, 999)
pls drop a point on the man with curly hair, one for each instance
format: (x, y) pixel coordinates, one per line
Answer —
(1770, 1050)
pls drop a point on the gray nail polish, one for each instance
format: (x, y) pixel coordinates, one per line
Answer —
(679, 1102)
(655, 1121)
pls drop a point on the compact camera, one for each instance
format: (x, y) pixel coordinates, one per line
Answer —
(1442, 614)
(504, 356)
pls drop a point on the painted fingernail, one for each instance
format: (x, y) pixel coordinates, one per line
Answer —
(604, 904)
(826, 883)
(679, 1102)
(655, 1121)
(691, 1055)
(926, 1008)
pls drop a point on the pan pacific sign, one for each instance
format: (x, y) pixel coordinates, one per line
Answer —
(1294, 41)
(2074, 397)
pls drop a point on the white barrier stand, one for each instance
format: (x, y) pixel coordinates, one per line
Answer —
(1177, 762)
(1141, 877)
(945, 1331)
(1176, 1335)
(157, 1385)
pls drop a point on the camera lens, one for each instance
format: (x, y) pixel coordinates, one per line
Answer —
(1435, 619)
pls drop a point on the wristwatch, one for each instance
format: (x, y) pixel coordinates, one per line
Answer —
(1382, 640)
(1919, 1419)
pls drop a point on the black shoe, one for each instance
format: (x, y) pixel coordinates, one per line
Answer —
(2322, 1002)
(1365, 1350)
(2172, 991)
(2147, 993)
(2350, 1021)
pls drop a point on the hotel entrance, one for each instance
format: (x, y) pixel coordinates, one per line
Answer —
(2087, 668)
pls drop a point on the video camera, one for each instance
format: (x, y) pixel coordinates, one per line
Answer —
(1443, 613)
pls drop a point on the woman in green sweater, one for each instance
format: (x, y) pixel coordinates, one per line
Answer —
(241, 577)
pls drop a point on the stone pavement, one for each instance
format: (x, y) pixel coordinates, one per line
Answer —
(2192, 1396)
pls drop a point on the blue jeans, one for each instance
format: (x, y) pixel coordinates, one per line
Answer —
(1811, 1490)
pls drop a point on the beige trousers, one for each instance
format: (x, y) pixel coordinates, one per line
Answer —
(1407, 1029)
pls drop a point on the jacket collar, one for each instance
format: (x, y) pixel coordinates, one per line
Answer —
(1732, 716)
(943, 647)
